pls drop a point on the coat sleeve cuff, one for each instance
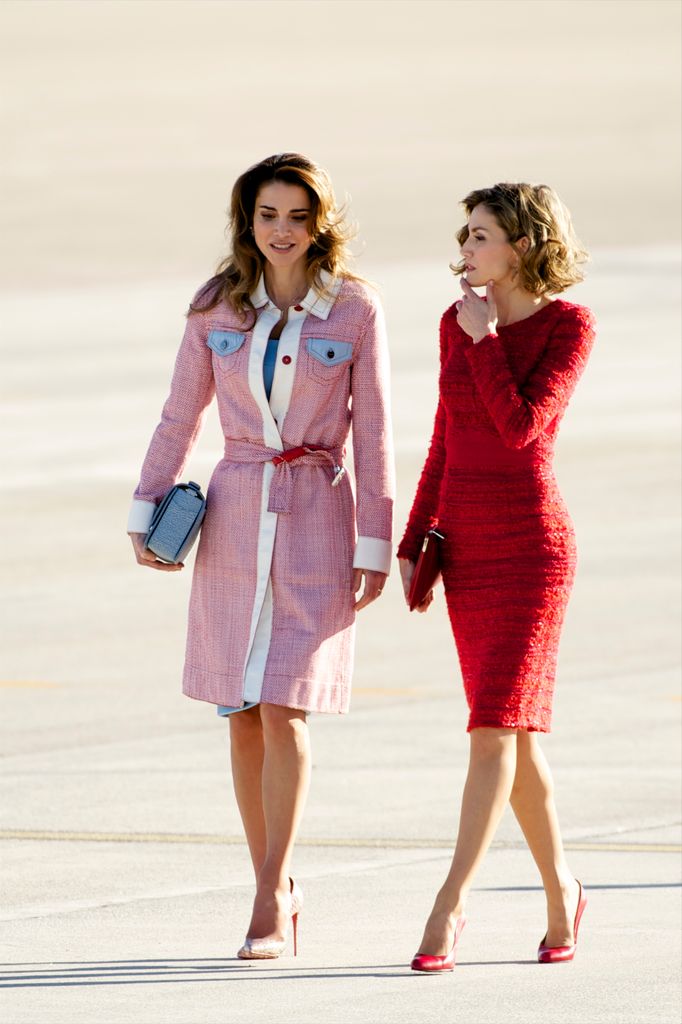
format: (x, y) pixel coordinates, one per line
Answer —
(373, 554)
(140, 516)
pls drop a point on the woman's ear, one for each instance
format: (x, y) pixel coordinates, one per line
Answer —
(522, 244)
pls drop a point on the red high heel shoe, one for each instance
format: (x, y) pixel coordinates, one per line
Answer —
(560, 954)
(427, 964)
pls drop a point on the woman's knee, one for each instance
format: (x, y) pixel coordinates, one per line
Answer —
(531, 767)
(279, 721)
(246, 726)
(492, 744)
(492, 739)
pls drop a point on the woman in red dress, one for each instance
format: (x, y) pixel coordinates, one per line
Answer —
(509, 364)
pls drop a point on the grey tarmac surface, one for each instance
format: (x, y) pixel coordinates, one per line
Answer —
(126, 885)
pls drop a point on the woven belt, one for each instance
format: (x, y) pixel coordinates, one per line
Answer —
(281, 488)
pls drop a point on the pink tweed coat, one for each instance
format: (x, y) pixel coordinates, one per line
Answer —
(271, 610)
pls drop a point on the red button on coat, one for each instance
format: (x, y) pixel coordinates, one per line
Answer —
(286, 360)
(298, 308)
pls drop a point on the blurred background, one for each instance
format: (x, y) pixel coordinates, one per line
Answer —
(125, 122)
(124, 125)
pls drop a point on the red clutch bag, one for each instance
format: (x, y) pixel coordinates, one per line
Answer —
(427, 569)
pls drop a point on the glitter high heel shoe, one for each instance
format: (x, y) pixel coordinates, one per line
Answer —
(426, 963)
(560, 954)
(270, 949)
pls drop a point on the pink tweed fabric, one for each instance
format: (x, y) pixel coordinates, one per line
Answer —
(309, 632)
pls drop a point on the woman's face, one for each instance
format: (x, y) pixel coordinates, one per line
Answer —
(487, 253)
(281, 223)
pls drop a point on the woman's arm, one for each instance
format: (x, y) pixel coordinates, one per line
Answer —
(373, 445)
(191, 392)
(425, 502)
(522, 413)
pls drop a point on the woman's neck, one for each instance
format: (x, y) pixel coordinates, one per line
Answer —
(286, 285)
(516, 304)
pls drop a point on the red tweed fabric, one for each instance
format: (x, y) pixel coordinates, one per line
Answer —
(509, 550)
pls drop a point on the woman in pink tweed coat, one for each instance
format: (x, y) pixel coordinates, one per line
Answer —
(293, 346)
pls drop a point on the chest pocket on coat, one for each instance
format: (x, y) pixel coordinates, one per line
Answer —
(328, 360)
(225, 345)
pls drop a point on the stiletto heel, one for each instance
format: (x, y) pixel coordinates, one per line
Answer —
(427, 964)
(271, 949)
(296, 904)
(294, 928)
(561, 954)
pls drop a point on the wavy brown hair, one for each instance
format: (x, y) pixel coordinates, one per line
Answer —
(552, 261)
(238, 274)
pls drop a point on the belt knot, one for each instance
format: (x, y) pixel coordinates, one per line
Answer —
(281, 488)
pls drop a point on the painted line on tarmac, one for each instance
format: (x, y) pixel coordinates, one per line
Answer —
(386, 844)
(32, 684)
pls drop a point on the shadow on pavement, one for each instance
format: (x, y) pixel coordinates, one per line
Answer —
(168, 971)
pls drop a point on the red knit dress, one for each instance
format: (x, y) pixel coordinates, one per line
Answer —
(509, 552)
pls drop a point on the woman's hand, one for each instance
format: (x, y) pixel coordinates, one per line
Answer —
(146, 557)
(374, 584)
(477, 317)
(406, 573)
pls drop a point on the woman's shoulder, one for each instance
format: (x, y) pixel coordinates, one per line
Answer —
(571, 314)
(572, 325)
(356, 305)
(357, 290)
(209, 304)
(449, 317)
(205, 295)
(450, 330)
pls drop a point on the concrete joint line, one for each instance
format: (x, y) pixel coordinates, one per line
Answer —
(350, 842)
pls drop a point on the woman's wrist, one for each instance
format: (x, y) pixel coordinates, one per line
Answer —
(490, 333)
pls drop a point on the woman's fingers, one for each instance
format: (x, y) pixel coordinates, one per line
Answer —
(147, 558)
(374, 585)
(424, 606)
(406, 573)
(490, 299)
(156, 563)
(476, 316)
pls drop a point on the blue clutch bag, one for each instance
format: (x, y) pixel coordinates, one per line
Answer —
(176, 523)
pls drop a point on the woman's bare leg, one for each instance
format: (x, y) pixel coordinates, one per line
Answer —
(532, 800)
(492, 765)
(246, 753)
(285, 782)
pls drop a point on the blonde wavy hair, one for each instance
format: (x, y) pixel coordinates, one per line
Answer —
(238, 274)
(552, 261)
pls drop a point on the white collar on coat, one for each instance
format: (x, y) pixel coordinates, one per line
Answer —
(315, 302)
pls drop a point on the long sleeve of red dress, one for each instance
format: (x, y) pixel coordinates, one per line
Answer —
(428, 489)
